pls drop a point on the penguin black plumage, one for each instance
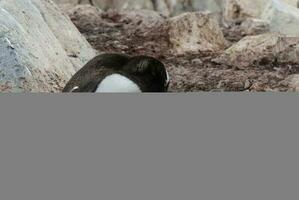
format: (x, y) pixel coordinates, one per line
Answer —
(112, 72)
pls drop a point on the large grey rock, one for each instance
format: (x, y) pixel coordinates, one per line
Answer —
(179, 6)
(242, 9)
(282, 15)
(123, 4)
(40, 49)
(167, 7)
(253, 26)
(195, 32)
(292, 82)
(141, 19)
(73, 2)
(283, 18)
(262, 49)
(292, 2)
(233, 8)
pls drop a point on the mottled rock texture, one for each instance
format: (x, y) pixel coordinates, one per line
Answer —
(40, 48)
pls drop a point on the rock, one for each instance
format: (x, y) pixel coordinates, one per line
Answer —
(72, 2)
(86, 13)
(242, 9)
(195, 32)
(292, 82)
(253, 26)
(164, 7)
(291, 2)
(123, 4)
(40, 49)
(234, 31)
(208, 5)
(261, 50)
(177, 7)
(291, 53)
(282, 15)
(283, 18)
(142, 19)
(66, 5)
(197, 61)
(120, 4)
(213, 6)
(167, 7)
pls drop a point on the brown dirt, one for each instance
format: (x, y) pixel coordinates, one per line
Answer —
(109, 32)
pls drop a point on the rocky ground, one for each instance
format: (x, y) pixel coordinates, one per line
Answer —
(113, 31)
(211, 45)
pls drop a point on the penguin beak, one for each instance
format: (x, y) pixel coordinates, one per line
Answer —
(166, 88)
(74, 89)
(167, 81)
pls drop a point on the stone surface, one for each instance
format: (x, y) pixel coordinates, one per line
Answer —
(167, 7)
(123, 4)
(253, 26)
(241, 9)
(282, 15)
(291, 2)
(86, 12)
(263, 49)
(114, 31)
(40, 49)
(293, 83)
(141, 19)
(195, 32)
(283, 18)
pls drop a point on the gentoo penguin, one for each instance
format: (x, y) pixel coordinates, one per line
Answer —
(120, 73)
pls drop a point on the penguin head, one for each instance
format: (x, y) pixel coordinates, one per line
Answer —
(120, 73)
(148, 72)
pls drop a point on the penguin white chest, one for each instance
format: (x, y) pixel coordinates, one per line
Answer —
(117, 83)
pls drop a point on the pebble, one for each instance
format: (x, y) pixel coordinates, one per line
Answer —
(247, 84)
(197, 61)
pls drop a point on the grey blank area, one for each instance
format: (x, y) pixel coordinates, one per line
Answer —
(149, 147)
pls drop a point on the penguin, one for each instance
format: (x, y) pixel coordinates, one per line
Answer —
(120, 73)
